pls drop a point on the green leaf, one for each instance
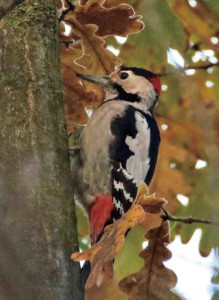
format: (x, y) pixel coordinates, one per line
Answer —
(149, 48)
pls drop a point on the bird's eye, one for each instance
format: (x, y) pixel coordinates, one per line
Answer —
(123, 75)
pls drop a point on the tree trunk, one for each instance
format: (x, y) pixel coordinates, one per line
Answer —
(7, 5)
(37, 212)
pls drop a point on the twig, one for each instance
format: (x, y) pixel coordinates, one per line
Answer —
(187, 220)
(202, 67)
(66, 42)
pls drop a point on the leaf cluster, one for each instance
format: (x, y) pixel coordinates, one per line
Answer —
(154, 280)
(83, 30)
(188, 109)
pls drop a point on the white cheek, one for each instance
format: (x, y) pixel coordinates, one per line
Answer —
(137, 85)
(128, 86)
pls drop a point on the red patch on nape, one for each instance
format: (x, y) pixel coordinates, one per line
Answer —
(155, 81)
(99, 214)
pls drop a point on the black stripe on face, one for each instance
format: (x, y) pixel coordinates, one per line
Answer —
(123, 95)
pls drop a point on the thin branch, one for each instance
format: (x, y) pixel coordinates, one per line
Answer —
(182, 70)
(67, 43)
(187, 220)
(203, 67)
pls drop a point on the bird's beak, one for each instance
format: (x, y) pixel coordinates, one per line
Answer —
(103, 81)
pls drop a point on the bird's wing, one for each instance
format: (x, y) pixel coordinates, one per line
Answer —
(133, 153)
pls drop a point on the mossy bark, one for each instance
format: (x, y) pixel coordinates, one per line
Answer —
(37, 217)
(7, 5)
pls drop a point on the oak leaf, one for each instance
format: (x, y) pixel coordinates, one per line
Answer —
(154, 281)
(119, 20)
(109, 290)
(174, 158)
(102, 254)
(199, 20)
(77, 98)
(98, 60)
(148, 48)
(149, 202)
(85, 52)
(91, 56)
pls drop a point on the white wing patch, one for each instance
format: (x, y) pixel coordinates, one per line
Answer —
(138, 164)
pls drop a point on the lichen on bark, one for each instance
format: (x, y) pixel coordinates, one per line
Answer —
(37, 218)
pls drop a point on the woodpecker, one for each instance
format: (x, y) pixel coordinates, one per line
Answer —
(120, 145)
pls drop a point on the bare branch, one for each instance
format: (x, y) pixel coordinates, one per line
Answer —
(66, 43)
(182, 70)
(203, 67)
(187, 220)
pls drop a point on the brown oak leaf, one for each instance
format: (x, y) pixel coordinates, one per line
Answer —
(150, 202)
(119, 20)
(154, 281)
(102, 254)
(95, 57)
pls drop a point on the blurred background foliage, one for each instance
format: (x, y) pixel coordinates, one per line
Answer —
(180, 42)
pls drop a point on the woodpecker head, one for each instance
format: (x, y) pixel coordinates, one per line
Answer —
(134, 85)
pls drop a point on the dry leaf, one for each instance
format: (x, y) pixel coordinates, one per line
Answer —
(87, 54)
(188, 146)
(102, 254)
(154, 281)
(109, 290)
(75, 96)
(99, 59)
(119, 20)
(150, 202)
(199, 20)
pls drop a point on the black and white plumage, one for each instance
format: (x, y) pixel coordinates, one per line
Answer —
(120, 144)
(133, 153)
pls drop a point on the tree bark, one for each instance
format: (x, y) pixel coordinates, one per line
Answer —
(37, 212)
(7, 5)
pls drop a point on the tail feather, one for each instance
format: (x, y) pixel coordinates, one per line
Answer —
(99, 216)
